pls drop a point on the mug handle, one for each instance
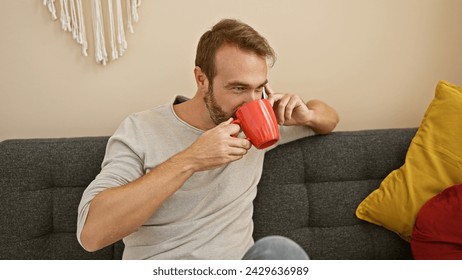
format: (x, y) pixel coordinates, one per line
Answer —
(238, 122)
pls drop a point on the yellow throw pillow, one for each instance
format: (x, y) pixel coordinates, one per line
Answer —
(433, 162)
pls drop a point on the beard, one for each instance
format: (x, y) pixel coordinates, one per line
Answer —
(217, 114)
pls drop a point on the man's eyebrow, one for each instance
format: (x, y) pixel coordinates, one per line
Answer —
(242, 84)
(236, 83)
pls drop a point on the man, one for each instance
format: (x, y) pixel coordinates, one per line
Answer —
(175, 182)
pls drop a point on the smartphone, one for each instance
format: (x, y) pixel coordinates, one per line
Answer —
(263, 94)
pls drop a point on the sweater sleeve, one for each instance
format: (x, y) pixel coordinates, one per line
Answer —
(292, 133)
(123, 163)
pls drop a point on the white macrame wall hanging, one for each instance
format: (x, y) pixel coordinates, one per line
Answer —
(72, 20)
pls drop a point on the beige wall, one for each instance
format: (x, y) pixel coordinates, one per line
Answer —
(376, 61)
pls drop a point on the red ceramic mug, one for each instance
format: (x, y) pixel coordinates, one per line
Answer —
(258, 122)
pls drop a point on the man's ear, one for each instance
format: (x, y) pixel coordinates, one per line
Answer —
(201, 80)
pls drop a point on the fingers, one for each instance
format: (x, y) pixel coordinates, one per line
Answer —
(235, 146)
(231, 127)
(240, 143)
(238, 152)
(289, 108)
(225, 123)
(217, 146)
(284, 106)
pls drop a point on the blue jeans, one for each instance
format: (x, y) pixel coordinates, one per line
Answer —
(275, 248)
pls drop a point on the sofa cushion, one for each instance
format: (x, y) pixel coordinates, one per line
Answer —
(433, 162)
(437, 234)
(41, 183)
(310, 188)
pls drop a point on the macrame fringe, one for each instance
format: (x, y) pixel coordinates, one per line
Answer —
(98, 32)
(72, 20)
(121, 42)
(81, 35)
(51, 8)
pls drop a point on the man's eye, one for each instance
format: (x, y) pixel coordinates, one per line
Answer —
(239, 88)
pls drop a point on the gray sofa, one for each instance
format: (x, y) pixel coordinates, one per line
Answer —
(309, 192)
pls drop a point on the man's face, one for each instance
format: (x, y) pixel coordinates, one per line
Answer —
(240, 78)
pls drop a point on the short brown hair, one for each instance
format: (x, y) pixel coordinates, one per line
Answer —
(230, 31)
